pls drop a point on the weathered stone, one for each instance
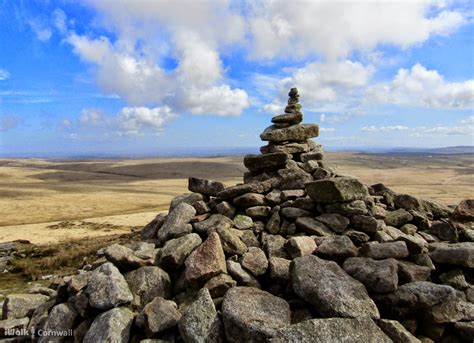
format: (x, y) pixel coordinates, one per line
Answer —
(200, 321)
(380, 251)
(242, 222)
(464, 211)
(204, 186)
(219, 285)
(255, 261)
(147, 283)
(274, 245)
(396, 331)
(294, 212)
(231, 243)
(235, 191)
(177, 222)
(339, 189)
(408, 202)
(398, 218)
(290, 118)
(175, 251)
(410, 272)
(357, 237)
(423, 260)
(273, 224)
(107, 288)
(450, 312)
(329, 289)
(241, 275)
(314, 155)
(437, 211)
(81, 330)
(250, 199)
(247, 236)
(347, 209)
(187, 198)
(16, 306)
(207, 261)
(377, 276)
(212, 223)
(274, 197)
(313, 227)
(14, 324)
(201, 207)
(334, 221)
(226, 209)
(258, 162)
(454, 278)
(300, 246)
(110, 326)
(445, 230)
(460, 254)
(279, 268)
(335, 247)
(124, 257)
(292, 194)
(409, 229)
(325, 330)
(364, 223)
(61, 318)
(150, 230)
(160, 314)
(40, 314)
(253, 315)
(258, 212)
(292, 133)
(293, 178)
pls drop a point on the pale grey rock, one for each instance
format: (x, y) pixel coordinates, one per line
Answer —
(111, 326)
(146, 283)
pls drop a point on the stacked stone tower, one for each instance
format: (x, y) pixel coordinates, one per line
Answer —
(290, 153)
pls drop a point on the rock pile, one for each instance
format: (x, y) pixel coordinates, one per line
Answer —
(296, 253)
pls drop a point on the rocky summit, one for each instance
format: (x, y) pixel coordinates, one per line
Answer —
(295, 253)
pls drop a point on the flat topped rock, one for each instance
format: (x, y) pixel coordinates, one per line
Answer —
(258, 162)
(291, 133)
(289, 118)
(205, 186)
(339, 189)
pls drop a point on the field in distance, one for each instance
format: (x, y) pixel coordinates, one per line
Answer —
(47, 201)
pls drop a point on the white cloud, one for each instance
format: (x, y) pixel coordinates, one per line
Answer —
(59, 20)
(135, 119)
(373, 128)
(327, 129)
(42, 32)
(468, 120)
(335, 28)
(424, 88)
(322, 117)
(4, 75)
(91, 117)
(466, 130)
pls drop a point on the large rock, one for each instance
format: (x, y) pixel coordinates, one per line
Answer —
(187, 198)
(292, 133)
(300, 246)
(9, 325)
(334, 221)
(380, 251)
(234, 191)
(336, 247)
(313, 226)
(340, 189)
(107, 288)
(290, 148)
(204, 186)
(159, 315)
(253, 315)
(250, 199)
(16, 306)
(150, 230)
(200, 321)
(255, 261)
(272, 160)
(288, 118)
(451, 312)
(231, 243)
(207, 261)
(293, 178)
(61, 318)
(175, 251)
(464, 211)
(124, 257)
(110, 326)
(460, 254)
(396, 331)
(330, 289)
(377, 276)
(398, 218)
(279, 269)
(146, 283)
(219, 285)
(177, 222)
(347, 330)
(213, 222)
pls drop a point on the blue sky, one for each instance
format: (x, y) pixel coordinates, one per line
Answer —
(149, 77)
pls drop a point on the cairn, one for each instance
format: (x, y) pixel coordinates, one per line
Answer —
(296, 253)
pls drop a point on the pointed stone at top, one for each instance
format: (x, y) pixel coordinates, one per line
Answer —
(293, 93)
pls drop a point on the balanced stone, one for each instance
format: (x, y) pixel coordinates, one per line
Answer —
(290, 118)
(259, 162)
(339, 189)
(291, 133)
(204, 186)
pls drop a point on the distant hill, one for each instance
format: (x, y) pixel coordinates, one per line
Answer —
(467, 149)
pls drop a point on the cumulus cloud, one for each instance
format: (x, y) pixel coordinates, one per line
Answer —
(4, 75)
(424, 88)
(134, 119)
(373, 128)
(335, 28)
